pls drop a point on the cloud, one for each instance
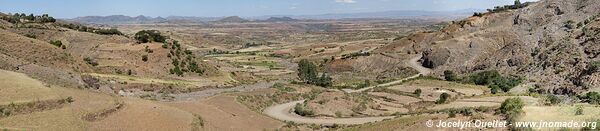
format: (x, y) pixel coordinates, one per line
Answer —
(345, 1)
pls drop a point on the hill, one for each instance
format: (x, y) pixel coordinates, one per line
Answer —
(232, 19)
(117, 19)
(281, 19)
(552, 44)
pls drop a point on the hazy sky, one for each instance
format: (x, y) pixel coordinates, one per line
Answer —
(74, 8)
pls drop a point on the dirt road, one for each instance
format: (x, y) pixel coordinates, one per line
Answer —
(282, 112)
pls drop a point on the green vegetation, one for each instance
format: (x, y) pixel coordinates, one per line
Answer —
(450, 76)
(443, 98)
(282, 87)
(417, 92)
(183, 61)
(23, 18)
(32, 36)
(58, 44)
(511, 108)
(491, 78)
(355, 54)
(494, 80)
(197, 123)
(591, 97)
(552, 100)
(593, 67)
(307, 71)
(300, 110)
(100, 31)
(579, 110)
(145, 36)
(516, 5)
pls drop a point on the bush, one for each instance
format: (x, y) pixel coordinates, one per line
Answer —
(417, 92)
(579, 110)
(511, 108)
(592, 98)
(494, 89)
(450, 76)
(443, 98)
(593, 67)
(145, 58)
(552, 100)
(146, 36)
(56, 43)
(83, 28)
(298, 109)
(494, 79)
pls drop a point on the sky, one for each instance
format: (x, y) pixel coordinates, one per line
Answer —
(245, 8)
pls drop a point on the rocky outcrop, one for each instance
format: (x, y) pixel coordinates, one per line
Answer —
(549, 42)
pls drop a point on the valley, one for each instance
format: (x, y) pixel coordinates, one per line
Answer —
(530, 61)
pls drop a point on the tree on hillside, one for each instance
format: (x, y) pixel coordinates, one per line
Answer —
(517, 2)
(443, 98)
(307, 71)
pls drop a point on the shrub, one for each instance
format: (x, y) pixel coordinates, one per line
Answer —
(593, 67)
(579, 110)
(494, 79)
(417, 92)
(592, 98)
(443, 98)
(83, 28)
(307, 71)
(145, 58)
(494, 89)
(298, 109)
(511, 108)
(69, 99)
(56, 43)
(552, 100)
(450, 76)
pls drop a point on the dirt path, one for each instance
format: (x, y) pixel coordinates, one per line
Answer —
(414, 63)
(282, 112)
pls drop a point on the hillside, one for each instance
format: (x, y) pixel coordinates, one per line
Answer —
(552, 43)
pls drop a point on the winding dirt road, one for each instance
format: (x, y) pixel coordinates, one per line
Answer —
(283, 111)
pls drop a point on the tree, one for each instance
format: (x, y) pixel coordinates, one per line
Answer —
(307, 71)
(324, 81)
(450, 75)
(443, 98)
(146, 36)
(517, 2)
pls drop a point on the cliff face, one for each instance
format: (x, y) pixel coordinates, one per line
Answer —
(551, 43)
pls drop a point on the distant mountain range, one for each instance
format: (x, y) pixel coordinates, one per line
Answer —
(121, 19)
